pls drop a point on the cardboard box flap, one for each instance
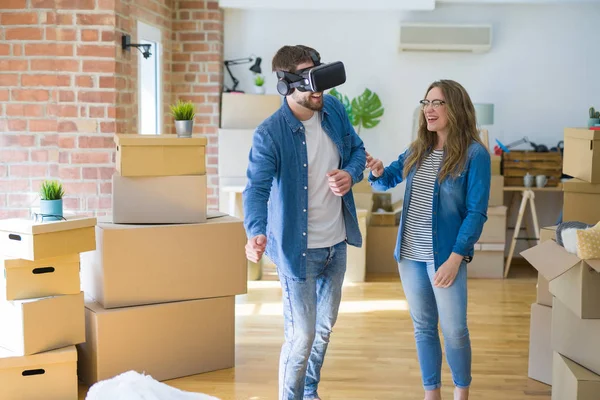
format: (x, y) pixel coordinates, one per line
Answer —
(582, 133)
(133, 139)
(30, 227)
(580, 373)
(579, 186)
(595, 264)
(550, 259)
(212, 218)
(13, 263)
(9, 360)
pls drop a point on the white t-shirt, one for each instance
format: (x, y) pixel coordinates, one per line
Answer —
(325, 216)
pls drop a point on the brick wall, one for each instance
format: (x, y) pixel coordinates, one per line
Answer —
(66, 87)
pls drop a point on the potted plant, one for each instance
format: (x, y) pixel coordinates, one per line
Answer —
(51, 203)
(363, 111)
(183, 112)
(594, 117)
(259, 82)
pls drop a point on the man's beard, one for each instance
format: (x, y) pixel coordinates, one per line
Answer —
(310, 104)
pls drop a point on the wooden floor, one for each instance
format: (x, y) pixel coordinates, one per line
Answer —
(372, 350)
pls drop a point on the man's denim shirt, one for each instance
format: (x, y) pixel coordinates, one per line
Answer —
(276, 195)
(459, 208)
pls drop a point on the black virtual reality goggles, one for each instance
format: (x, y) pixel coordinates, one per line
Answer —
(317, 78)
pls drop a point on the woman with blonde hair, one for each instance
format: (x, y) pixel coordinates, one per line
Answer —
(447, 172)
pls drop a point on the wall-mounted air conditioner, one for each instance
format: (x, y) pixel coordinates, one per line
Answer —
(445, 37)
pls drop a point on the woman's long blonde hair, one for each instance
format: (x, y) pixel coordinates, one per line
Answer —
(462, 131)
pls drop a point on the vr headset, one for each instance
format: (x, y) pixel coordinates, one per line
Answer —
(318, 78)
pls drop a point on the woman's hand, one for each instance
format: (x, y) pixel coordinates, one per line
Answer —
(446, 273)
(375, 165)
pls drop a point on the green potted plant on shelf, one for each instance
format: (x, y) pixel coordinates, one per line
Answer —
(594, 117)
(259, 82)
(184, 113)
(364, 111)
(51, 200)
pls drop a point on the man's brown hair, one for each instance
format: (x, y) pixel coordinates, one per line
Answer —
(288, 58)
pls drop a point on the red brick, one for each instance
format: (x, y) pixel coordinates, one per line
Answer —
(206, 89)
(16, 125)
(63, 157)
(107, 82)
(24, 110)
(45, 80)
(13, 65)
(20, 200)
(93, 50)
(55, 65)
(90, 158)
(14, 185)
(212, 5)
(9, 80)
(111, 112)
(96, 142)
(178, 67)
(42, 125)
(192, 37)
(81, 187)
(108, 36)
(67, 126)
(97, 112)
(49, 140)
(107, 127)
(23, 34)
(84, 81)
(99, 203)
(14, 156)
(72, 203)
(192, 47)
(183, 15)
(211, 26)
(49, 4)
(103, 173)
(95, 19)
(21, 18)
(185, 26)
(66, 142)
(89, 35)
(40, 155)
(66, 96)
(30, 95)
(121, 83)
(97, 97)
(106, 188)
(204, 57)
(62, 111)
(49, 49)
(193, 5)
(64, 19)
(69, 172)
(74, 4)
(106, 5)
(28, 171)
(3, 170)
(14, 5)
(61, 34)
(98, 66)
(4, 49)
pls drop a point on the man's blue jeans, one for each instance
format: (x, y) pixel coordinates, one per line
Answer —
(427, 304)
(310, 309)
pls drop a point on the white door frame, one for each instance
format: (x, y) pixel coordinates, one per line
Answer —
(153, 34)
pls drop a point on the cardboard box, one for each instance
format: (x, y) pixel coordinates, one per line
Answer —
(159, 199)
(380, 250)
(389, 217)
(496, 191)
(496, 165)
(160, 155)
(572, 381)
(543, 295)
(166, 341)
(574, 281)
(540, 344)
(488, 261)
(581, 201)
(576, 338)
(247, 111)
(38, 325)
(50, 375)
(234, 150)
(29, 240)
(146, 264)
(357, 256)
(582, 154)
(24, 279)
(494, 229)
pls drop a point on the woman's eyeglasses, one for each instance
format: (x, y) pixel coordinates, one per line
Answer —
(435, 103)
(46, 217)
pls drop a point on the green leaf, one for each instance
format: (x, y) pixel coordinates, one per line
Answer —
(51, 190)
(345, 101)
(367, 109)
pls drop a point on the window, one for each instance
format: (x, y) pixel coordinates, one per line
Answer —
(150, 82)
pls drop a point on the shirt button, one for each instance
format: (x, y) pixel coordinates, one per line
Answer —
(303, 254)
(305, 165)
(303, 142)
(303, 233)
(304, 210)
(305, 188)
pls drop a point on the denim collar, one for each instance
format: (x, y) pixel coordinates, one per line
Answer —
(294, 123)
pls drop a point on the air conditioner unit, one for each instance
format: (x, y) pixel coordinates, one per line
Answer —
(444, 37)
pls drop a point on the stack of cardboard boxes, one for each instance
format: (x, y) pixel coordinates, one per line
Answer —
(160, 287)
(573, 283)
(41, 306)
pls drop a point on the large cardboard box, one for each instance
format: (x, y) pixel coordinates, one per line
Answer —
(496, 165)
(146, 264)
(234, 150)
(34, 241)
(543, 295)
(247, 111)
(159, 199)
(572, 381)
(582, 154)
(166, 341)
(494, 229)
(160, 155)
(576, 338)
(574, 281)
(496, 191)
(580, 201)
(38, 325)
(50, 375)
(540, 344)
(24, 279)
(488, 261)
(380, 250)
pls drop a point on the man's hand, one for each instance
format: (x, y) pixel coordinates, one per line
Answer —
(256, 247)
(446, 273)
(375, 165)
(340, 182)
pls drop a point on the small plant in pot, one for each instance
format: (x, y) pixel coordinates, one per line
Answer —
(594, 117)
(259, 84)
(51, 200)
(183, 112)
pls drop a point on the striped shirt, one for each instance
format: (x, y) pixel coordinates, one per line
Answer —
(417, 242)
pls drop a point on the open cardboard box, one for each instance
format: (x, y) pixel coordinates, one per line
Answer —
(582, 154)
(575, 282)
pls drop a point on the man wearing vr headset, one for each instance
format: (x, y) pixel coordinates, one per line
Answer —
(299, 208)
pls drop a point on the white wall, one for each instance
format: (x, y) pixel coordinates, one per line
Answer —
(542, 73)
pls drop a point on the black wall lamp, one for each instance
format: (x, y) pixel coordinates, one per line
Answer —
(126, 43)
(254, 68)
